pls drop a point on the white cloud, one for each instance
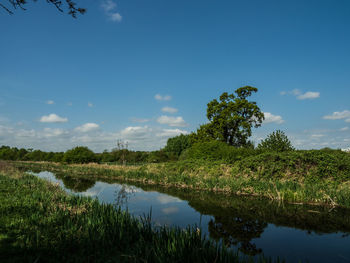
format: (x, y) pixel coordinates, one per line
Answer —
(295, 92)
(49, 132)
(162, 98)
(140, 120)
(302, 96)
(50, 102)
(87, 127)
(270, 118)
(309, 95)
(344, 129)
(108, 5)
(136, 132)
(109, 8)
(172, 121)
(338, 116)
(316, 136)
(115, 17)
(171, 133)
(90, 104)
(53, 118)
(169, 110)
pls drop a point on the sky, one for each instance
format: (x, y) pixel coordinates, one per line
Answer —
(143, 71)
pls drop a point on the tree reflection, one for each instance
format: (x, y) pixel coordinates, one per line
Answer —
(123, 194)
(76, 184)
(237, 231)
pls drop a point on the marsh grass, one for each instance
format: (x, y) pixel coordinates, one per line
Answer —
(215, 176)
(41, 223)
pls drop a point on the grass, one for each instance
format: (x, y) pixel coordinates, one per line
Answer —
(289, 187)
(41, 223)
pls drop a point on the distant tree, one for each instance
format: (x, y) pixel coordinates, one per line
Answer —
(79, 154)
(59, 4)
(231, 118)
(122, 148)
(276, 141)
(178, 144)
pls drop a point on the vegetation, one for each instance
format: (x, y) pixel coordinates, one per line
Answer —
(178, 144)
(79, 155)
(231, 119)
(314, 177)
(40, 223)
(276, 141)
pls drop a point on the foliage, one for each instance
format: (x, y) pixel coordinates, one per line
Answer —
(301, 165)
(21, 4)
(177, 144)
(119, 156)
(14, 154)
(232, 119)
(216, 151)
(276, 141)
(158, 156)
(79, 154)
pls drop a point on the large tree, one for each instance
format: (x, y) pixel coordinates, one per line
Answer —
(232, 118)
(59, 4)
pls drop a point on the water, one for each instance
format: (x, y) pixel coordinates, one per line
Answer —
(292, 232)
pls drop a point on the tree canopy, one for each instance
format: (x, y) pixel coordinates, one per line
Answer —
(231, 118)
(79, 154)
(59, 4)
(176, 145)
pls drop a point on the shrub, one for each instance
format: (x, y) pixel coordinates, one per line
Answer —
(215, 151)
(158, 157)
(79, 154)
(276, 141)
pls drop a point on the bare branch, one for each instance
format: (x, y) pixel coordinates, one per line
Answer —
(71, 6)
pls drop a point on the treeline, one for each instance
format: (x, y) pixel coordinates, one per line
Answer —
(82, 154)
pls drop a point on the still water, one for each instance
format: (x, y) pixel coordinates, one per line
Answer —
(296, 233)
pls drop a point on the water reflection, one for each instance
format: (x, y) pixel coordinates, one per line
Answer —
(254, 226)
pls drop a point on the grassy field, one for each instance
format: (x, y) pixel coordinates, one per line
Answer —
(41, 223)
(299, 186)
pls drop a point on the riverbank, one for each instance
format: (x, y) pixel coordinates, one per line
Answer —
(41, 223)
(290, 187)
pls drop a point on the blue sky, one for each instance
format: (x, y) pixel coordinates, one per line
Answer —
(143, 71)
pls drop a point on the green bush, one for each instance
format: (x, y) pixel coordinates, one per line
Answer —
(215, 151)
(79, 154)
(276, 141)
(158, 157)
(305, 164)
